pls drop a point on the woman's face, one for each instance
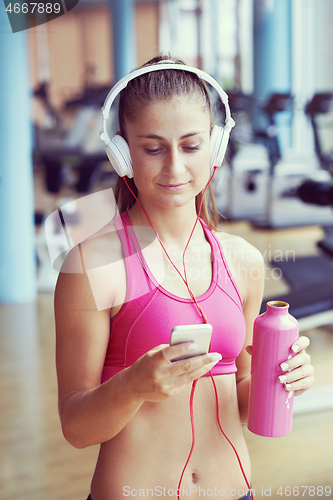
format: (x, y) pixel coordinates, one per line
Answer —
(169, 143)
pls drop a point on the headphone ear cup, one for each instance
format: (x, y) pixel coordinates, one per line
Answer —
(119, 155)
(219, 142)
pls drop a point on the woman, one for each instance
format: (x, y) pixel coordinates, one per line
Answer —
(140, 412)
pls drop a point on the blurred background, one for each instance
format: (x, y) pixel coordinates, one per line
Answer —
(274, 59)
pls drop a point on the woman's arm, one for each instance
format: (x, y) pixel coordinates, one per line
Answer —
(87, 409)
(252, 284)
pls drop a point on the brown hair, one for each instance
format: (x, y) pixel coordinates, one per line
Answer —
(142, 91)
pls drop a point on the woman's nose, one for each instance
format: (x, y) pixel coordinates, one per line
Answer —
(174, 164)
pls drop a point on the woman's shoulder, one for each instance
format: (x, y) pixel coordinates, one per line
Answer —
(102, 248)
(88, 267)
(245, 262)
(237, 248)
(96, 250)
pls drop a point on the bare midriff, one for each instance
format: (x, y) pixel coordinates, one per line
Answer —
(147, 457)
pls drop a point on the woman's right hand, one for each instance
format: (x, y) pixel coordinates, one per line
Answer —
(153, 377)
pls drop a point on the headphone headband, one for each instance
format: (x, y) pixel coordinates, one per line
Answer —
(162, 65)
(117, 148)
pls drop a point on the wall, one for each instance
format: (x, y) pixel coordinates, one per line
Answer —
(80, 49)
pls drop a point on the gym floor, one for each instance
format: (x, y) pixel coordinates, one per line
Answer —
(36, 461)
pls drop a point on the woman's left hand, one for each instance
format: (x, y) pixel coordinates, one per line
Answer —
(299, 377)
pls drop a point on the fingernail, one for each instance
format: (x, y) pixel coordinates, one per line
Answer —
(287, 387)
(191, 346)
(282, 378)
(295, 348)
(284, 367)
(216, 357)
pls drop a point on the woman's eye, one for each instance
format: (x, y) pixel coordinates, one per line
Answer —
(153, 151)
(192, 148)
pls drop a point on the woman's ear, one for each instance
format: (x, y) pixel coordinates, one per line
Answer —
(121, 135)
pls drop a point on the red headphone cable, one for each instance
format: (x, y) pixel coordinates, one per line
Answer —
(226, 437)
(184, 278)
(194, 383)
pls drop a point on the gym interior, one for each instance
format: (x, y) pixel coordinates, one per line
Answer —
(274, 60)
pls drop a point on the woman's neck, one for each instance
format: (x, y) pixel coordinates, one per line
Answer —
(173, 225)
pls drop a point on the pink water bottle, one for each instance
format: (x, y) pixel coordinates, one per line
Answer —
(270, 405)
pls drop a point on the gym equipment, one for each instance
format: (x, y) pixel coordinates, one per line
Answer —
(240, 193)
(69, 224)
(79, 148)
(60, 152)
(261, 183)
(311, 278)
(286, 172)
(320, 111)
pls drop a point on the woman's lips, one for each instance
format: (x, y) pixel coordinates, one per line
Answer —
(173, 187)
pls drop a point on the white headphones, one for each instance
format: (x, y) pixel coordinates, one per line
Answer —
(117, 148)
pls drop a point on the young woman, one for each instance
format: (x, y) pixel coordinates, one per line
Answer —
(140, 413)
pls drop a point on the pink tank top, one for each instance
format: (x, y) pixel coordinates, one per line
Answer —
(150, 312)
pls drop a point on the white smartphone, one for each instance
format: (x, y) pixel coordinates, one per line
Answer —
(199, 334)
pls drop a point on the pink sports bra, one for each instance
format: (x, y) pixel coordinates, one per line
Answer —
(150, 312)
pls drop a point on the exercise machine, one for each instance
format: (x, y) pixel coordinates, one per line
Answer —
(311, 278)
(260, 182)
(79, 148)
(286, 172)
(241, 190)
